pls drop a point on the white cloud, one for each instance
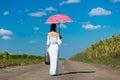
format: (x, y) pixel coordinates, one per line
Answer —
(41, 9)
(106, 26)
(36, 28)
(50, 9)
(19, 11)
(6, 37)
(90, 26)
(27, 10)
(5, 13)
(21, 21)
(38, 14)
(115, 1)
(5, 32)
(69, 2)
(32, 41)
(43, 12)
(63, 25)
(99, 11)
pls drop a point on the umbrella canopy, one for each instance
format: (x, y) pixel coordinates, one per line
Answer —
(58, 18)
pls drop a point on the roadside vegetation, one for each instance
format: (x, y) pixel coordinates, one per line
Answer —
(105, 51)
(7, 59)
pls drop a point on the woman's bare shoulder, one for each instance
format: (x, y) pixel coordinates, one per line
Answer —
(53, 34)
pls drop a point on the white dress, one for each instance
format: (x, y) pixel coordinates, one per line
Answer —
(53, 42)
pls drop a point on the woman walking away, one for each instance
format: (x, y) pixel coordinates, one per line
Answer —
(53, 40)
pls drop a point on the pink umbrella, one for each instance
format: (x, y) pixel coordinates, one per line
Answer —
(58, 18)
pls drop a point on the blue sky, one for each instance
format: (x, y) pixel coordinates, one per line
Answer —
(23, 28)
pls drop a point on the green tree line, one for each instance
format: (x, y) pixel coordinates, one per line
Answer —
(105, 51)
(5, 56)
(7, 59)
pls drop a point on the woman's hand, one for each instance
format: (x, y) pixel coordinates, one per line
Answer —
(60, 36)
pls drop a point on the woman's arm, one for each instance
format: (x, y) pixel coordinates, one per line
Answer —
(48, 43)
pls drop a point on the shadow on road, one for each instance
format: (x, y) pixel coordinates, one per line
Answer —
(77, 72)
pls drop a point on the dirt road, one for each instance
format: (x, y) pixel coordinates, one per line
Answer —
(69, 70)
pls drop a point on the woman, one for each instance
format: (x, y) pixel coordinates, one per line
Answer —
(53, 40)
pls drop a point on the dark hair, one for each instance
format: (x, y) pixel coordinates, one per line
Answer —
(53, 27)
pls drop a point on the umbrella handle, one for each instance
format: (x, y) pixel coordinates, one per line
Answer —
(60, 37)
(59, 31)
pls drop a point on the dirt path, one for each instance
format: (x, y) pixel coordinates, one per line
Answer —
(69, 70)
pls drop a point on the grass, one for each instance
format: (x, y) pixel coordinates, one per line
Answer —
(108, 60)
(18, 62)
(105, 52)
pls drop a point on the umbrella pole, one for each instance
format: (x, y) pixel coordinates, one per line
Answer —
(59, 30)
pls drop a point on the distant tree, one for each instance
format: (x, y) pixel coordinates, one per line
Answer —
(0, 55)
(5, 55)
